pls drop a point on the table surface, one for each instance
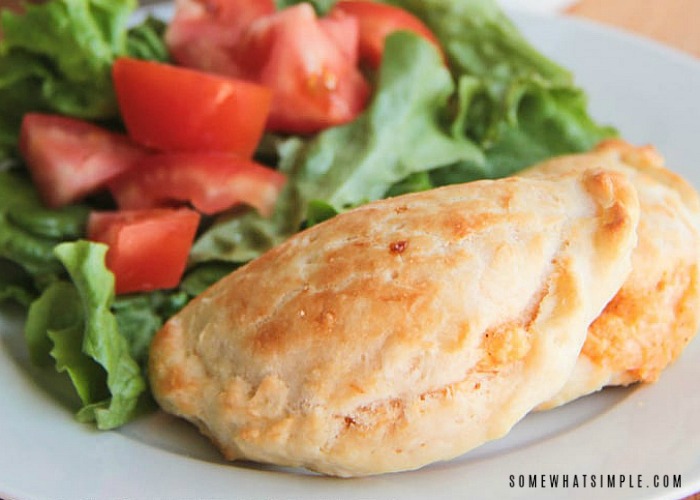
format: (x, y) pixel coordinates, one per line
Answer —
(672, 22)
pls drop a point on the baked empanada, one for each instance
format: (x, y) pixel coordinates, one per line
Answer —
(403, 332)
(657, 311)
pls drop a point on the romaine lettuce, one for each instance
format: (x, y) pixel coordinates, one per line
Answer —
(101, 341)
(57, 57)
(72, 322)
(517, 105)
(29, 232)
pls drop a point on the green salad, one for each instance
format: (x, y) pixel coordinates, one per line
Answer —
(488, 106)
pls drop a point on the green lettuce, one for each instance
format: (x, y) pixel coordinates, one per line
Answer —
(101, 341)
(519, 106)
(57, 57)
(145, 41)
(321, 6)
(28, 234)
(140, 316)
(15, 284)
(72, 322)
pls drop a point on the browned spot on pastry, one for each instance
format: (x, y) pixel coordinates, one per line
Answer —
(175, 381)
(644, 156)
(459, 226)
(398, 247)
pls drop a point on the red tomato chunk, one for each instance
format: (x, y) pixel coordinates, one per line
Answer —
(148, 249)
(203, 33)
(210, 182)
(70, 158)
(171, 108)
(310, 64)
(315, 81)
(377, 21)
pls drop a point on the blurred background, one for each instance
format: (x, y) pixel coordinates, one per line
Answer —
(673, 22)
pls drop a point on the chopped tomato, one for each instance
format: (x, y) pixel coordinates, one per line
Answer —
(344, 30)
(179, 109)
(148, 249)
(315, 83)
(212, 183)
(202, 33)
(70, 158)
(377, 21)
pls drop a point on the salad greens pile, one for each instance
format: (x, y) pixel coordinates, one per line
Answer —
(497, 107)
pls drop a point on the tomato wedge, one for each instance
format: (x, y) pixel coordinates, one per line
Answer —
(344, 30)
(212, 183)
(178, 109)
(203, 33)
(377, 21)
(315, 80)
(148, 249)
(70, 158)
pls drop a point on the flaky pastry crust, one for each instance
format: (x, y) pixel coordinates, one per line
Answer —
(657, 311)
(404, 332)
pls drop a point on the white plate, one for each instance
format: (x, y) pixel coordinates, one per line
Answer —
(651, 94)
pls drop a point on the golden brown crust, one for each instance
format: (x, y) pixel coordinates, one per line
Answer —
(403, 332)
(657, 311)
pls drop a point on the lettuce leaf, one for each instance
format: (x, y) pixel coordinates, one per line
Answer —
(72, 323)
(57, 57)
(29, 232)
(517, 105)
(145, 41)
(15, 284)
(480, 40)
(101, 341)
(403, 132)
(140, 316)
(321, 6)
(54, 330)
